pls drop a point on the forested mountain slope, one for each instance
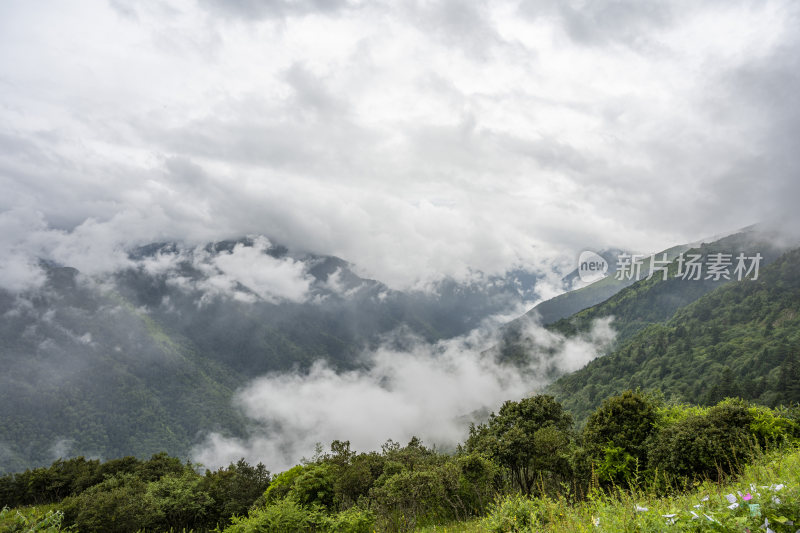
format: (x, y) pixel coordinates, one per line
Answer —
(654, 300)
(741, 339)
(147, 359)
(643, 302)
(573, 301)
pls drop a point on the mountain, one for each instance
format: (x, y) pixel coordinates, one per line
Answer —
(654, 300)
(148, 358)
(573, 301)
(738, 339)
(633, 302)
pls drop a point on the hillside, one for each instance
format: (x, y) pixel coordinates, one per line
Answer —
(633, 305)
(654, 300)
(573, 301)
(741, 339)
(148, 359)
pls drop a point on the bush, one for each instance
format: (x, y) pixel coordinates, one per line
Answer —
(234, 489)
(514, 513)
(616, 435)
(177, 502)
(706, 446)
(770, 427)
(353, 520)
(315, 485)
(115, 505)
(283, 516)
(30, 521)
(531, 438)
(282, 484)
(357, 478)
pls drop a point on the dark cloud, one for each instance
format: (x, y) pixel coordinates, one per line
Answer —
(261, 9)
(628, 22)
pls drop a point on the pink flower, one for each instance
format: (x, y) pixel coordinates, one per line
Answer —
(747, 497)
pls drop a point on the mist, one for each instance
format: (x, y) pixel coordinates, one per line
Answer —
(409, 388)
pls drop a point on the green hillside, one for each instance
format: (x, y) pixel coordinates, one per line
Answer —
(633, 307)
(571, 302)
(88, 371)
(742, 339)
(148, 358)
(655, 300)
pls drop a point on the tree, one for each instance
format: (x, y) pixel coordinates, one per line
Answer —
(616, 434)
(234, 489)
(177, 502)
(528, 437)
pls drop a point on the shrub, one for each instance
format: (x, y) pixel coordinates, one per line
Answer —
(705, 446)
(514, 513)
(616, 435)
(315, 485)
(282, 516)
(282, 484)
(115, 505)
(353, 520)
(30, 521)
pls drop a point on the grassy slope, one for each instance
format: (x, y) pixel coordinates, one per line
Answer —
(618, 512)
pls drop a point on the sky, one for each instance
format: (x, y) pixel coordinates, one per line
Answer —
(415, 139)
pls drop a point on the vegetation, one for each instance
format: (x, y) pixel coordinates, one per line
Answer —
(742, 339)
(525, 469)
(691, 424)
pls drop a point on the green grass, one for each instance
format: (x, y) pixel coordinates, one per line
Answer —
(703, 508)
(42, 518)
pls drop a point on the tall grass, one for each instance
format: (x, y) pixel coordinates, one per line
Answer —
(767, 492)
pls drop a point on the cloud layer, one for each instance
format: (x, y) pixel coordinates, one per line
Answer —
(416, 139)
(431, 391)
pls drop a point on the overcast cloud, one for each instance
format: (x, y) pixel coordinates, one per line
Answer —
(414, 139)
(432, 391)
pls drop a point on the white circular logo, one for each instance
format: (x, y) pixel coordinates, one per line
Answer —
(591, 267)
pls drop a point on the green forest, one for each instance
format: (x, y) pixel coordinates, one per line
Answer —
(525, 469)
(742, 339)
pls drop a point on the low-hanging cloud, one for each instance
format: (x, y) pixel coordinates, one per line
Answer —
(410, 388)
(528, 132)
(249, 267)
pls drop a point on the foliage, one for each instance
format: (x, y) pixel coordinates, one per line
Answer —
(282, 484)
(234, 489)
(160, 493)
(742, 339)
(175, 502)
(315, 485)
(31, 520)
(116, 505)
(514, 513)
(617, 434)
(352, 520)
(710, 445)
(282, 516)
(771, 484)
(530, 438)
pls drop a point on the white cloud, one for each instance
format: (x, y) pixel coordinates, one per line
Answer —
(416, 140)
(270, 278)
(432, 391)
